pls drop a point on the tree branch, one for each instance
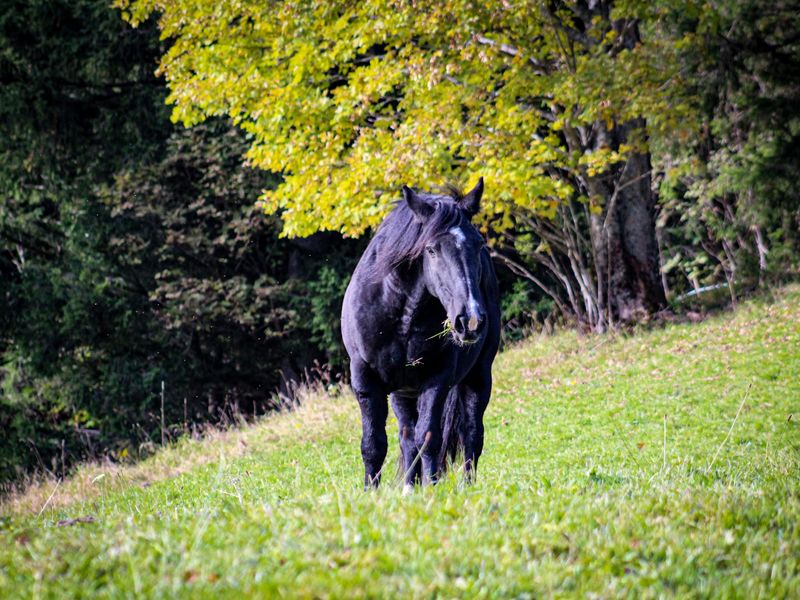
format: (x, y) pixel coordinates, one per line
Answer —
(509, 50)
(517, 268)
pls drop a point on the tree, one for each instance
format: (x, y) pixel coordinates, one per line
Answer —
(552, 102)
(132, 252)
(78, 100)
(729, 202)
(228, 302)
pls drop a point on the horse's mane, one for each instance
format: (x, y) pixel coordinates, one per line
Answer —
(401, 238)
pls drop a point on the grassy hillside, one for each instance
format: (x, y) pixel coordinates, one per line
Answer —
(661, 463)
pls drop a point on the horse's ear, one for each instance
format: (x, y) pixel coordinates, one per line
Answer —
(421, 208)
(471, 202)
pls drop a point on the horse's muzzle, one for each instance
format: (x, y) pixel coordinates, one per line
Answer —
(468, 328)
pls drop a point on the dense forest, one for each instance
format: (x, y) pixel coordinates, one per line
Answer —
(185, 185)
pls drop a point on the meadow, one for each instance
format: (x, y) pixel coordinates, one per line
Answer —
(655, 463)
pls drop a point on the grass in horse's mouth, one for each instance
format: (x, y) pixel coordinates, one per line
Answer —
(447, 328)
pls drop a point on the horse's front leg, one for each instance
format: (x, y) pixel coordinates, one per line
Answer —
(477, 390)
(371, 396)
(428, 432)
(406, 410)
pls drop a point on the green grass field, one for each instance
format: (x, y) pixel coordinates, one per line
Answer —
(664, 463)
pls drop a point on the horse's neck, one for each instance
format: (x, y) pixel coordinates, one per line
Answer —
(403, 297)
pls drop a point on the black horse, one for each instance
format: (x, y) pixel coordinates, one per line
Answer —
(421, 321)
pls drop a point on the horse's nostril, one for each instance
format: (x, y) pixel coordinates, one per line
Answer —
(460, 324)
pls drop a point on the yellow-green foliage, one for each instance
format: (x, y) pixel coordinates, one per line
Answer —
(350, 99)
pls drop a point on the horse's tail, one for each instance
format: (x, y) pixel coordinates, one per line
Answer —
(452, 427)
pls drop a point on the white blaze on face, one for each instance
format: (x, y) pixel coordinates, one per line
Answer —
(472, 311)
(472, 304)
(459, 235)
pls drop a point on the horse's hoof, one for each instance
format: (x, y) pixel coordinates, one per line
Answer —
(408, 489)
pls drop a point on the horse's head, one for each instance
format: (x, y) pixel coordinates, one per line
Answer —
(451, 261)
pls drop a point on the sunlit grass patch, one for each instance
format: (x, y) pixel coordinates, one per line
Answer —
(613, 466)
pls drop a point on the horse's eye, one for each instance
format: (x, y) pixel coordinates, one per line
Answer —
(431, 250)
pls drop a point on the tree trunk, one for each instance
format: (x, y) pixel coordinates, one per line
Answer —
(616, 272)
(624, 237)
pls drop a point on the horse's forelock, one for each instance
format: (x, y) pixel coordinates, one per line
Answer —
(403, 237)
